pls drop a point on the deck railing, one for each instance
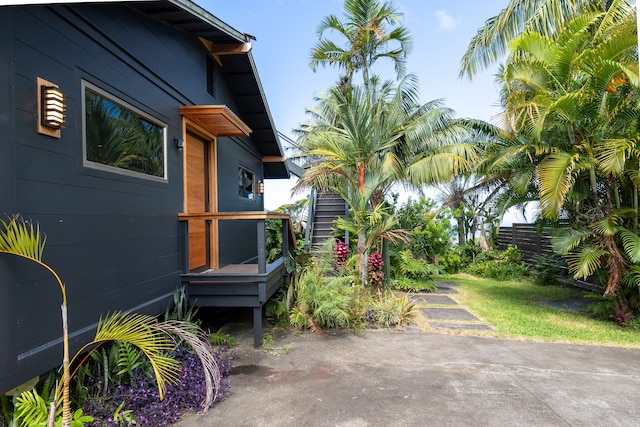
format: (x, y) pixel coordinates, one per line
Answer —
(288, 236)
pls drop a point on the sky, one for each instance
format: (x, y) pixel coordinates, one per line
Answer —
(286, 31)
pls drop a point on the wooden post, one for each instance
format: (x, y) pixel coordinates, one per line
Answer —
(257, 326)
(184, 241)
(285, 247)
(262, 247)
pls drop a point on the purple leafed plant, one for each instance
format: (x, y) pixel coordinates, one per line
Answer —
(141, 399)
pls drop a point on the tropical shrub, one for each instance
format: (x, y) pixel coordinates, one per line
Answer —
(318, 298)
(137, 402)
(413, 274)
(429, 227)
(389, 310)
(468, 253)
(315, 302)
(547, 269)
(505, 265)
(450, 262)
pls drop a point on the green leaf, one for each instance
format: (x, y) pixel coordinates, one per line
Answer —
(567, 239)
(20, 237)
(631, 244)
(31, 409)
(583, 262)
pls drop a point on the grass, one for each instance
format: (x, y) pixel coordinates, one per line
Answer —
(514, 310)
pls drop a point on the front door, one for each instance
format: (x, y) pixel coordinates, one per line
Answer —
(200, 197)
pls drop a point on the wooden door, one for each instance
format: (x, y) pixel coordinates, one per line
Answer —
(199, 159)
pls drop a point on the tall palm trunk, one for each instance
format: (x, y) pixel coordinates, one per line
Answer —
(462, 232)
(363, 257)
(66, 375)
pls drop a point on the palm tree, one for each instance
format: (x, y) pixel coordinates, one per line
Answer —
(471, 201)
(543, 16)
(362, 142)
(572, 98)
(371, 31)
(564, 95)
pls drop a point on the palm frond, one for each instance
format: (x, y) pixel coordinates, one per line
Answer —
(138, 329)
(31, 409)
(555, 176)
(20, 237)
(607, 226)
(630, 243)
(584, 261)
(566, 239)
(197, 339)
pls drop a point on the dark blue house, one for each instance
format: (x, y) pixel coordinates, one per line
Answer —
(137, 134)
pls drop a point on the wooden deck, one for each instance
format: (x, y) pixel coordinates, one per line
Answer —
(239, 285)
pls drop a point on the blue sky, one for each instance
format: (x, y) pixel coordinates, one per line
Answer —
(285, 32)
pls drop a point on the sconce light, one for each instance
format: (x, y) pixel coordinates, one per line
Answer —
(179, 143)
(260, 187)
(51, 108)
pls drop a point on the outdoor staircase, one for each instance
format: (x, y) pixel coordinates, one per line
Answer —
(326, 208)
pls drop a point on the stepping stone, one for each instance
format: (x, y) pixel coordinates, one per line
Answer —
(432, 299)
(447, 314)
(473, 326)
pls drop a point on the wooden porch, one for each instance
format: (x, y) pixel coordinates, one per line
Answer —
(238, 285)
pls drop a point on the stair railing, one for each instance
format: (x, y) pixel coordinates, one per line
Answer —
(311, 213)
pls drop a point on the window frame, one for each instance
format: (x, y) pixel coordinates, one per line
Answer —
(138, 112)
(253, 184)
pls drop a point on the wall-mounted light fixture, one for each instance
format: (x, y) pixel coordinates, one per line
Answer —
(179, 142)
(51, 108)
(260, 187)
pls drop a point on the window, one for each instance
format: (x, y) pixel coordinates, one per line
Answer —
(246, 184)
(120, 138)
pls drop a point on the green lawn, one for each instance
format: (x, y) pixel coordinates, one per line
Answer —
(516, 310)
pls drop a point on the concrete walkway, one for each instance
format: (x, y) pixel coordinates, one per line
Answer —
(407, 377)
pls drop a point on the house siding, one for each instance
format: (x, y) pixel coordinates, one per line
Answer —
(232, 154)
(113, 239)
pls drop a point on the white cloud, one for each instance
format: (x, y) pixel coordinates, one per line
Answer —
(446, 21)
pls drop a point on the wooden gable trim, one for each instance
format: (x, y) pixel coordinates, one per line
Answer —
(273, 159)
(219, 120)
(216, 50)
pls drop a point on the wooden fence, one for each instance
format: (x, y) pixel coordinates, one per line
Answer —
(525, 237)
(534, 244)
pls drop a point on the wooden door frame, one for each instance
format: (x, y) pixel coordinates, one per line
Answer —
(188, 126)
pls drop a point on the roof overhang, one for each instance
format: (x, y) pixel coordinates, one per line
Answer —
(232, 49)
(219, 120)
